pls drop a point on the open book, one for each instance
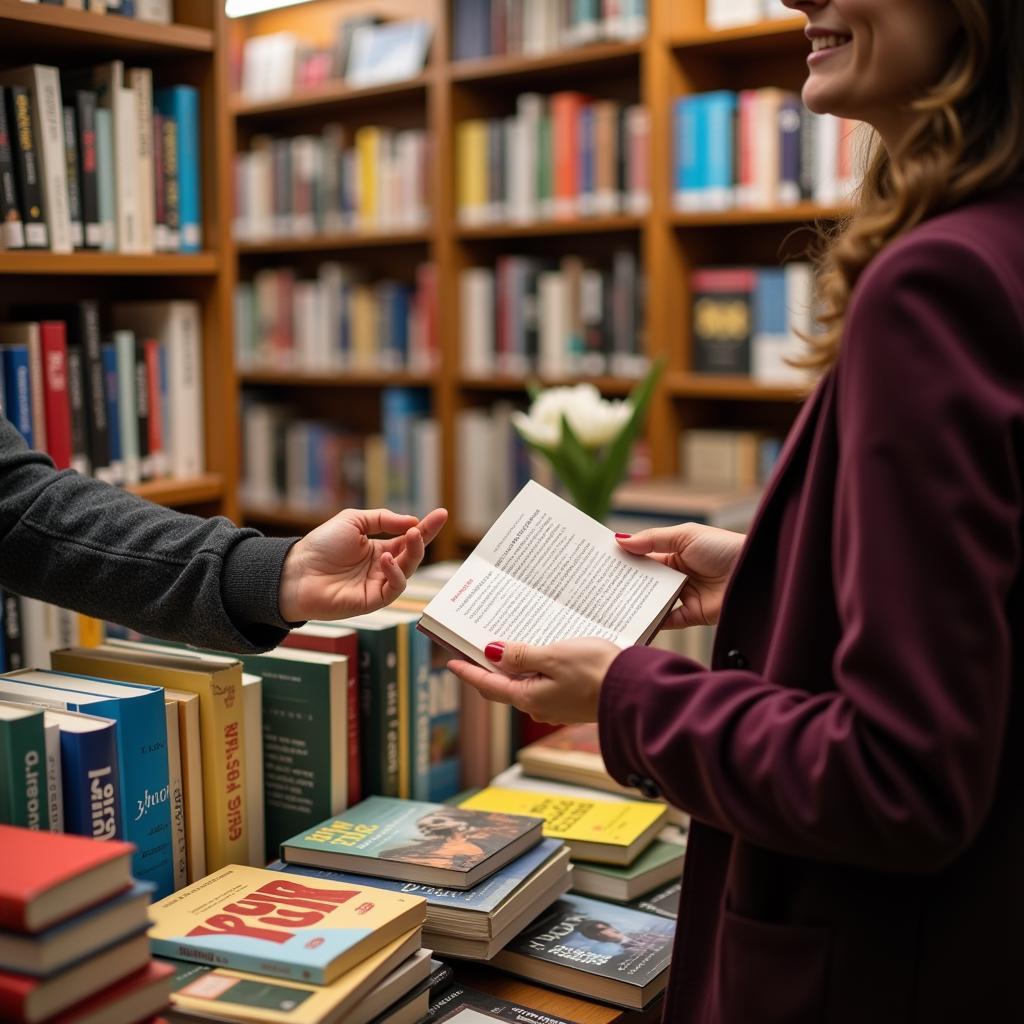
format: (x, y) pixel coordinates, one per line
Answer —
(544, 572)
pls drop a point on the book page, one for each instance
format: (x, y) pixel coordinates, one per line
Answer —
(546, 572)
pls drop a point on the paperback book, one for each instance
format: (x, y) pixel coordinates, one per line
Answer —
(658, 864)
(460, 1005)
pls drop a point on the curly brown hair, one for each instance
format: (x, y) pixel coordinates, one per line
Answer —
(967, 139)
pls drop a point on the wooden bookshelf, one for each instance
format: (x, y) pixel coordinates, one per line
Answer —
(679, 55)
(606, 385)
(108, 264)
(340, 380)
(204, 490)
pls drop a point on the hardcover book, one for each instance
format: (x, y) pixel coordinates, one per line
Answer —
(572, 754)
(615, 953)
(416, 842)
(23, 767)
(605, 831)
(261, 921)
(660, 863)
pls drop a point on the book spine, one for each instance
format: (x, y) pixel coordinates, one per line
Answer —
(140, 379)
(23, 775)
(140, 81)
(53, 343)
(235, 960)
(157, 449)
(54, 789)
(94, 388)
(176, 799)
(48, 125)
(26, 168)
(789, 150)
(378, 681)
(171, 196)
(182, 104)
(13, 644)
(418, 756)
(105, 172)
(88, 185)
(92, 784)
(12, 230)
(157, 185)
(77, 409)
(111, 393)
(74, 184)
(17, 390)
(124, 346)
(127, 200)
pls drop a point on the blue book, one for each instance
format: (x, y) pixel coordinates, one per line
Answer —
(142, 753)
(719, 160)
(789, 148)
(483, 897)
(105, 175)
(398, 343)
(400, 409)
(181, 102)
(587, 153)
(90, 775)
(108, 354)
(689, 181)
(444, 770)
(17, 389)
(769, 339)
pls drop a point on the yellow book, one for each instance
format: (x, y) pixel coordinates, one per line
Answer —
(90, 631)
(218, 684)
(603, 831)
(364, 328)
(368, 167)
(224, 994)
(280, 925)
(471, 155)
(192, 779)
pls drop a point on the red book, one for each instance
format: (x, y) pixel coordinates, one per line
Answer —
(138, 996)
(330, 639)
(54, 344)
(565, 144)
(47, 877)
(151, 349)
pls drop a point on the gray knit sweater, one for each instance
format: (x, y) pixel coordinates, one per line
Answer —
(87, 546)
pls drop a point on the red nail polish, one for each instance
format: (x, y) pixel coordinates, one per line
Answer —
(623, 536)
(494, 651)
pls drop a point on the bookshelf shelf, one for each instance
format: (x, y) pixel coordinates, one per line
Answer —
(330, 95)
(329, 243)
(340, 380)
(54, 30)
(200, 491)
(743, 389)
(606, 385)
(585, 59)
(760, 38)
(548, 229)
(286, 516)
(796, 214)
(108, 264)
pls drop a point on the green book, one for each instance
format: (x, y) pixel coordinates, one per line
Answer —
(23, 767)
(660, 863)
(545, 169)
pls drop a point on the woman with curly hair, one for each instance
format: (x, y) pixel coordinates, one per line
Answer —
(854, 757)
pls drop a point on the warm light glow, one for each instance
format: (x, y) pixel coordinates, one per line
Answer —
(240, 8)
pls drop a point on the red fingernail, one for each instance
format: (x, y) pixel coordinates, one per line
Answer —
(494, 651)
(623, 536)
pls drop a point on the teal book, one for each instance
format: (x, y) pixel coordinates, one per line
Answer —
(142, 755)
(431, 844)
(105, 174)
(180, 103)
(23, 767)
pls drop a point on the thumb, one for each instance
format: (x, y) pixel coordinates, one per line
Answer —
(514, 658)
(661, 539)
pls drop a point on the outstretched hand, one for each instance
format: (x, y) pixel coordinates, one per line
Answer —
(559, 684)
(337, 570)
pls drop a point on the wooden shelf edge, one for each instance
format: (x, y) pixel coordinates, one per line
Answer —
(496, 68)
(550, 228)
(197, 491)
(608, 385)
(326, 243)
(107, 264)
(748, 216)
(730, 37)
(63, 24)
(740, 389)
(329, 94)
(339, 379)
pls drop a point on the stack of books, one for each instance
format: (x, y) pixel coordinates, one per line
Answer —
(484, 875)
(117, 169)
(159, 12)
(125, 404)
(719, 14)
(73, 944)
(328, 950)
(557, 158)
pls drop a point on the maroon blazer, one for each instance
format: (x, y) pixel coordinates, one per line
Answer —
(854, 760)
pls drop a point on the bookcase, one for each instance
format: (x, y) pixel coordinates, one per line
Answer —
(192, 51)
(677, 56)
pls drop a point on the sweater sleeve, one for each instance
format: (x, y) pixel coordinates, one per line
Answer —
(93, 548)
(893, 762)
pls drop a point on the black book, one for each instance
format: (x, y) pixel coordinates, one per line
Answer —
(12, 231)
(74, 184)
(171, 196)
(88, 182)
(723, 319)
(142, 409)
(458, 1003)
(26, 167)
(76, 401)
(13, 640)
(664, 901)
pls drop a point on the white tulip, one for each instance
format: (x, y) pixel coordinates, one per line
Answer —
(595, 420)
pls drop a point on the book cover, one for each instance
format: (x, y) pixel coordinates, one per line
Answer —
(600, 829)
(26, 167)
(255, 920)
(12, 230)
(461, 1005)
(723, 319)
(415, 841)
(46, 878)
(664, 901)
(22, 767)
(660, 863)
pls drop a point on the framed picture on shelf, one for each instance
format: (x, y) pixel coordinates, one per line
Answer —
(382, 54)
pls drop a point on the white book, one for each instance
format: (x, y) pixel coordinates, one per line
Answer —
(156, 11)
(826, 160)
(476, 312)
(529, 112)
(776, 10)
(54, 787)
(476, 473)
(108, 80)
(534, 23)
(127, 405)
(546, 572)
(140, 81)
(261, 423)
(252, 717)
(729, 13)
(766, 143)
(555, 324)
(176, 791)
(43, 82)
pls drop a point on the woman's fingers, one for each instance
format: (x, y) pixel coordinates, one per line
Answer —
(492, 685)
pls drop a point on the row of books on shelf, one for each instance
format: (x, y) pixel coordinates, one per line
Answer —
(123, 404)
(159, 12)
(555, 318)
(291, 459)
(558, 157)
(98, 159)
(337, 320)
(761, 148)
(719, 14)
(485, 28)
(363, 52)
(339, 180)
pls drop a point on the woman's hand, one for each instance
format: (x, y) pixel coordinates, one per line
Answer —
(559, 684)
(705, 553)
(337, 571)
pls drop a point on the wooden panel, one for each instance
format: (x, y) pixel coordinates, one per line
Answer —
(550, 67)
(340, 381)
(545, 229)
(333, 97)
(108, 264)
(331, 243)
(177, 493)
(745, 40)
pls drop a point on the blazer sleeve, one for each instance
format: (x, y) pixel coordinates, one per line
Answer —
(94, 548)
(894, 763)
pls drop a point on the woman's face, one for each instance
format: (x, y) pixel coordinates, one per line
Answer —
(870, 57)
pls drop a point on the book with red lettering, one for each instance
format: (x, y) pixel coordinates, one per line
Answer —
(278, 925)
(46, 877)
(53, 340)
